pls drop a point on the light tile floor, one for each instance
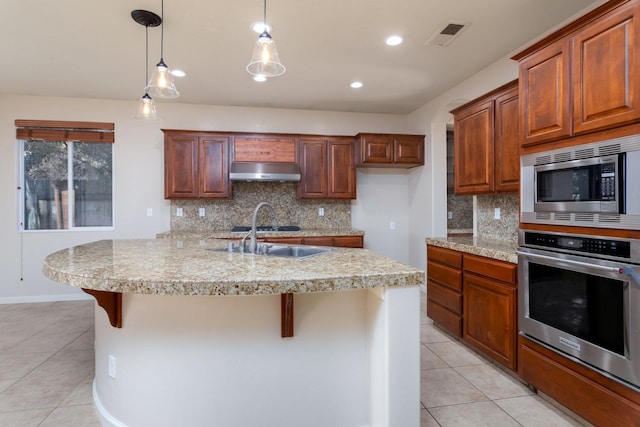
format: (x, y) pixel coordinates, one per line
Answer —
(46, 370)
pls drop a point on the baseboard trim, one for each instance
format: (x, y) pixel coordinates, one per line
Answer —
(106, 419)
(44, 298)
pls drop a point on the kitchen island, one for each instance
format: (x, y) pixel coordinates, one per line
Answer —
(200, 339)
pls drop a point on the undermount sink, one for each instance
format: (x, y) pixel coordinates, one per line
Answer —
(289, 251)
(296, 251)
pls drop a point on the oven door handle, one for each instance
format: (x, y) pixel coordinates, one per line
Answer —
(631, 272)
(627, 271)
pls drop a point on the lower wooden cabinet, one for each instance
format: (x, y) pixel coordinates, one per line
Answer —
(594, 397)
(336, 241)
(444, 288)
(490, 317)
(474, 298)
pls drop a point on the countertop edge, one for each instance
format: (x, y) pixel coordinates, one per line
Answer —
(501, 250)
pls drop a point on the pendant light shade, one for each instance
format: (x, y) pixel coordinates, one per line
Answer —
(265, 61)
(161, 84)
(146, 106)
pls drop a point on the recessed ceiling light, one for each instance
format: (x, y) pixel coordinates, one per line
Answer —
(393, 40)
(260, 78)
(258, 27)
(178, 73)
(356, 85)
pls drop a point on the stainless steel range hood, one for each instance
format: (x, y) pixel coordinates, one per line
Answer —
(261, 171)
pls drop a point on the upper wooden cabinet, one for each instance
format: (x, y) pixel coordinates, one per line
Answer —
(507, 140)
(583, 77)
(327, 168)
(389, 150)
(196, 165)
(486, 143)
(544, 94)
(258, 148)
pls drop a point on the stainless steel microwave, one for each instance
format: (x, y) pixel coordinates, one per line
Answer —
(592, 185)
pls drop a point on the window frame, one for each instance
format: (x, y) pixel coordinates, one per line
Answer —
(70, 132)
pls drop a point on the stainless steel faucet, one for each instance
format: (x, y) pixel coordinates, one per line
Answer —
(253, 243)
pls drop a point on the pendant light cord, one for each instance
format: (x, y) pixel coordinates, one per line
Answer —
(146, 55)
(265, 15)
(162, 31)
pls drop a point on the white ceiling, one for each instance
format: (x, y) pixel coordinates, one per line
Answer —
(90, 48)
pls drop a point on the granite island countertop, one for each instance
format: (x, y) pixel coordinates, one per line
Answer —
(228, 234)
(190, 267)
(503, 250)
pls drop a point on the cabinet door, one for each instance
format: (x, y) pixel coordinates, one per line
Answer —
(489, 313)
(604, 72)
(377, 149)
(180, 166)
(214, 168)
(341, 171)
(507, 142)
(313, 169)
(544, 103)
(473, 149)
(409, 151)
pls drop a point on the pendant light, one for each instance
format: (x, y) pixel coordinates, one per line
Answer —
(146, 106)
(161, 84)
(265, 61)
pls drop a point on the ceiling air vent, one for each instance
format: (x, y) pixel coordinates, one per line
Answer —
(446, 34)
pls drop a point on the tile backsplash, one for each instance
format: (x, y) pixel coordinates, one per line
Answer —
(504, 228)
(224, 214)
(461, 208)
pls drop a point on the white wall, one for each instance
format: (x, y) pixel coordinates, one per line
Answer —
(138, 176)
(383, 197)
(428, 186)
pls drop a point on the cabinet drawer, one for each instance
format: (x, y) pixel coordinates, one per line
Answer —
(446, 276)
(591, 400)
(449, 321)
(444, 296)
(444, 256)
(348, 241)
(495, 269)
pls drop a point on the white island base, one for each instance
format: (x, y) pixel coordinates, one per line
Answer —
(354, 361)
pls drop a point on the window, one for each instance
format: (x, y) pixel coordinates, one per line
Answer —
(66, 174)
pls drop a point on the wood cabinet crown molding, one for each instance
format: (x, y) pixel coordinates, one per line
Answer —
(570, 28)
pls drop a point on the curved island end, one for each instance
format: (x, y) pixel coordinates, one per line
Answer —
(198, 336)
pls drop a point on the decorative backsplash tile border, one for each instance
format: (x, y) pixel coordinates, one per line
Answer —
(224, 214)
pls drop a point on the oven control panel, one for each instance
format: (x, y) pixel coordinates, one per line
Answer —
(579, 244)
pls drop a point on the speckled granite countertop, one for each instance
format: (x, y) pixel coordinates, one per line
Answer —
(503, 250)
(189, 267)
(226, 234)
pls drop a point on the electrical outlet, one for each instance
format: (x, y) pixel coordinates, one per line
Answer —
(179, 212)
(149, 212)
(320, 211)
(392, 225)
(201, 211)
(496, 213)
(449, 215)
(112, 366)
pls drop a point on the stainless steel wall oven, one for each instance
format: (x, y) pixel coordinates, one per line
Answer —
(580, 295)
